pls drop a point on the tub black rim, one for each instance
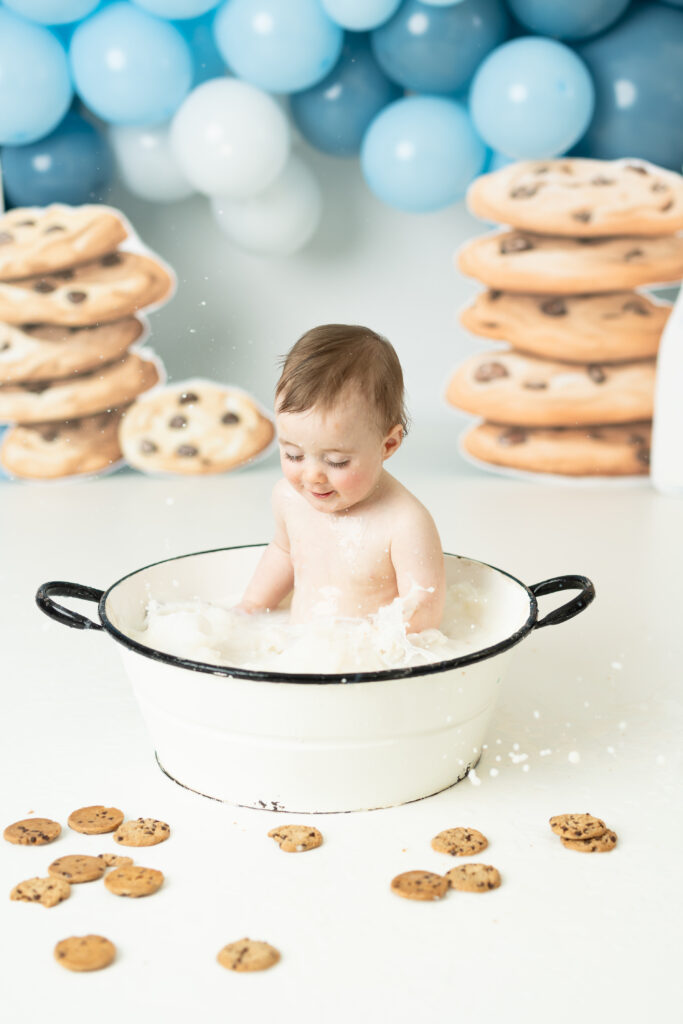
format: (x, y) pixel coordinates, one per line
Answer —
(89, 593)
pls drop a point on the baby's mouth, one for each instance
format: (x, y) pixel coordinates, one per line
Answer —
(323, 494)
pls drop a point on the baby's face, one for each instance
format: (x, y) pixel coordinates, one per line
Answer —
(334, 457)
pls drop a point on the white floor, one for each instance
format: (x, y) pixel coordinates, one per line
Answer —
(589, 719)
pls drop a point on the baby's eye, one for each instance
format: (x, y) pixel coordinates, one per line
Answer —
(293, 458)
(338, 465)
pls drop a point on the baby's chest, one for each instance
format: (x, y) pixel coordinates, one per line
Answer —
(340, 549)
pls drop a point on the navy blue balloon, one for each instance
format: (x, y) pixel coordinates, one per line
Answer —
(73, 164)
(334, 114)
(438, 49)
(637, 70)
(568, 19)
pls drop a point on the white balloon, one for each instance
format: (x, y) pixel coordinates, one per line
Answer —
(230, 138)
(278, 221)
(146, 164)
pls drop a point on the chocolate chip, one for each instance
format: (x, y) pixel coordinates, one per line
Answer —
(514, 243)
(48, 433)
(595, 435)
(490, 323)
(24, 224)
(5, 237)
(659, 186)
(177, 422)
(554, 307)
(600, 179)
(543, 169)
(636, 169)
(596, 373)
(229, 418)
(666, 206)
(76, 297)
(187, 450)
(147, 447)
(187, 397)
(111, 259)
(633, 254)
(643, 456)
(525, 191)
(36, 387)
(43, 287)
(54, 227)
(63, 275)
(490, 371)
(494, 294)
(535, 385)
(582, 215)
(636, 439)
(513, 435)
(5, 345)
(566, 168)
(633, 306)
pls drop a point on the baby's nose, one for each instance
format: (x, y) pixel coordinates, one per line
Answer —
(315, 473)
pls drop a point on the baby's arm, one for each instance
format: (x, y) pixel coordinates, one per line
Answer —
(274, 575)
(417, 558)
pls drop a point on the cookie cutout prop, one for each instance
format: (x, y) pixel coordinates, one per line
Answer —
(75, 285)
(572, 393)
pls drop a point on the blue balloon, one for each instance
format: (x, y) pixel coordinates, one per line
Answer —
(73, 164)
(360, 15)
(130, 67)
(334, 114)
(637, 68)
(35, 85)
(420, 153)
(49, 12)
(177, 8)
(278, 45)
(567, 19)
(206, 60)
(438, 49)
(495, 161)
(532, 98)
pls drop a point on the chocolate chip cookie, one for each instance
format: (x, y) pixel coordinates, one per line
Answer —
(473, 878)
(32, 831)
(46, 891)
(248, 955)
(519, 261)
(96, 820)
(296, 838)
(600, 844)
(77, 868)
(50, 451)
(85, 952)
(580, 197)
(460, 842)
(38, 240)
(142, 832)
(133, 880)
(510, 388)
(419, 885)
(195, 427)
(577, 826)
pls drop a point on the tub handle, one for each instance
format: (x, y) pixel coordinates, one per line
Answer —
(65, 615)
(571, 608)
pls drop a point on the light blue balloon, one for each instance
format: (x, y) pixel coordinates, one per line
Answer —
(177, 8)
(52, 12)
(207, 61)
(438, 49)
(360, 15)
(278, 45)
(129, 67)
(495, 161)
(35, 84)
(532, 98)
(420, 153)
(567, 19)
(334, 114)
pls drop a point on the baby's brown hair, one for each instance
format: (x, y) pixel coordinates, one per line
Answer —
(329, 358)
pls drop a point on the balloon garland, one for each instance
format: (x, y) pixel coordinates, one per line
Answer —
(186, 96)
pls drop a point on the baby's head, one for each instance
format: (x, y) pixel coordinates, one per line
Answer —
(340, 413)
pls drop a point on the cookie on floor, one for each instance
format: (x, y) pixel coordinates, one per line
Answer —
(85, 952)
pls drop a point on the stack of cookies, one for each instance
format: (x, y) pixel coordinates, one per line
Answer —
(68, 299)
(574, 393)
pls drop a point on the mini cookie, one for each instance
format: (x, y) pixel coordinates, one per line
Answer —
(32, 832)
(109, 288)
(473, 877)
(581, 197)
(419, 885)
(134, 881)
(460, 842)
(600, 844)
(85, 953)
(194, 427)
(77, 868)
(46, 891)
(142, 832)
(622, 450)
(95, 820)
(577, 826)
(519, 261)
(296, 838)
(508, 387)
(607, 328)
(113, 860)
(248, 955)
(49, 451)
(37, 352)
(108, 387)
(35, 240)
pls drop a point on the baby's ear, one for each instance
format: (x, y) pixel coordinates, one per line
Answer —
(392, 442)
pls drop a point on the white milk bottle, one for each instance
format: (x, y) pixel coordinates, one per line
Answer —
(666, 460)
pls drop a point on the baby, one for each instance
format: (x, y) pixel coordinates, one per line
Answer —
(348, 538)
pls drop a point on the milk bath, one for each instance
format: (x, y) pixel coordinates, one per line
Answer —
(216, 634)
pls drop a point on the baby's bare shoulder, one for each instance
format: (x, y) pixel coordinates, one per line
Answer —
(406, 507)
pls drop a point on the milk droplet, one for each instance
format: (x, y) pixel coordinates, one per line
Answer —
(493, 772)
(574, 756)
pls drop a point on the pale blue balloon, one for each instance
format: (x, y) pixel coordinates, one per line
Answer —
(130, 67)
(532, 98)
(35, 85)
(360, 15)
(207, 61)
(567, 19)
(52, 12)
(495, 161)
(420, 153)
(281, 46)
(177, 9)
